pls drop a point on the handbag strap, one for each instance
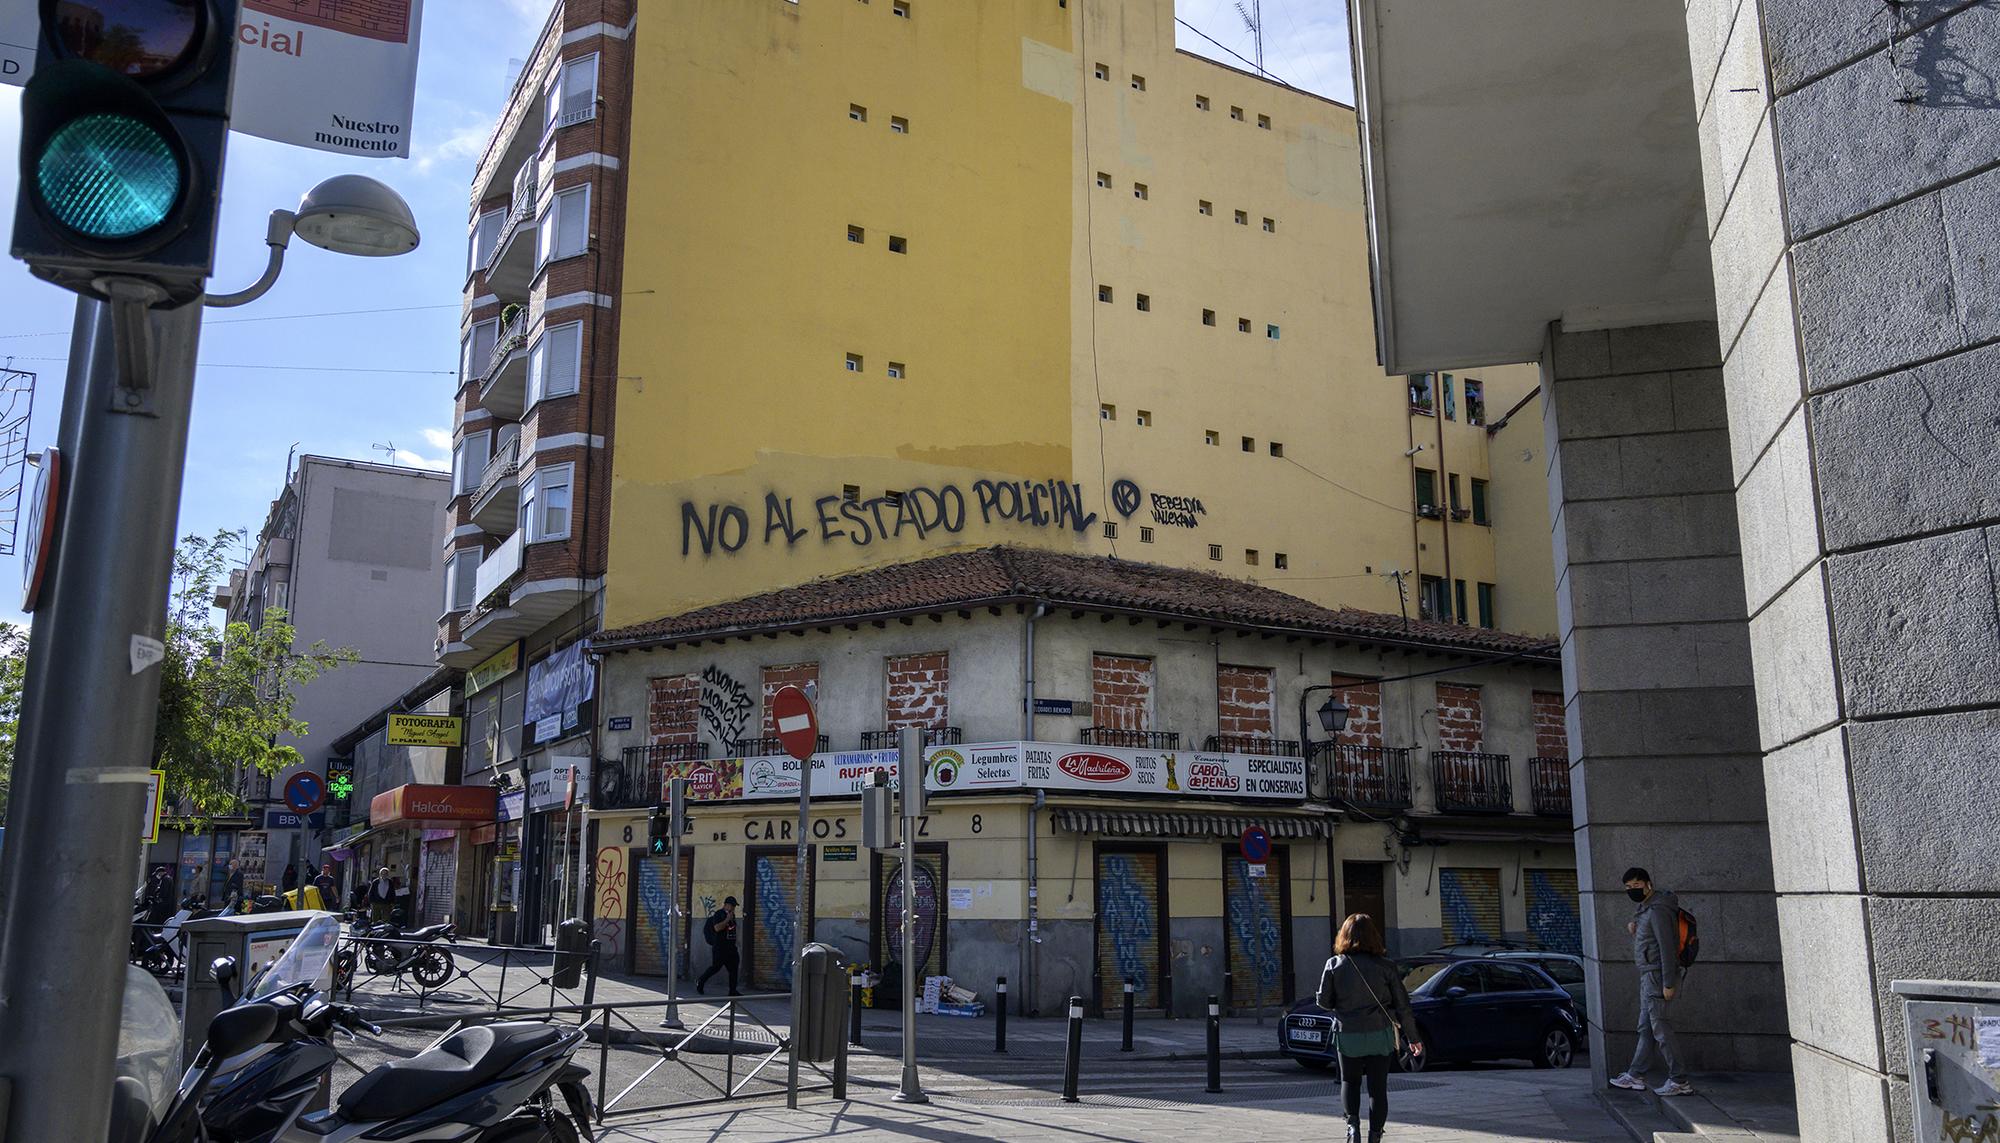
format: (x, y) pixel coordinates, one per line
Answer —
(1383, 1008)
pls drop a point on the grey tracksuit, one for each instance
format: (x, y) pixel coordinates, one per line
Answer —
(1656, 950)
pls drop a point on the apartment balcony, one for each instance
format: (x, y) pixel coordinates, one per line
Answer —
(517, 137)
(1252, 744)
(496, 504)
(1471, 783)
(505, 608)
(503, 388)
(1548, 786)
(498, 569)
(511, 268)
(638, 780)
(769, 747)
(1371, 777)
(1131, 739)
(933, 736)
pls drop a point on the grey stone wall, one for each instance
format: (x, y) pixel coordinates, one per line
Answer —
(1849, 151)
(1658, 682)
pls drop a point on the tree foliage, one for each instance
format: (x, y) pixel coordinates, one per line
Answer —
(227, 696)
(13, 673)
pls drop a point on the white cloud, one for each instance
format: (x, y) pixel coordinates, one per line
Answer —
(418, 460)
(438, 438)
(464, 143)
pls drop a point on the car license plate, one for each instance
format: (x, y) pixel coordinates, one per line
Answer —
(1309, 1035)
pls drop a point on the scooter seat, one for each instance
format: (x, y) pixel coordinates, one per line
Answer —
(465, 1060)
(427, 933)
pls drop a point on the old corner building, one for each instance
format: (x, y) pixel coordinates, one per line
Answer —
(1100, 735)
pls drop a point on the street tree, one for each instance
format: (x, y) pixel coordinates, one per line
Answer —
(227, 695)
(13, 672)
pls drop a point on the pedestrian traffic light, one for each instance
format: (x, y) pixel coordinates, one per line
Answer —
(123, 127)
(658, 830)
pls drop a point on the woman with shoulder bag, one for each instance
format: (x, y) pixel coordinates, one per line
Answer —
(1364, 990)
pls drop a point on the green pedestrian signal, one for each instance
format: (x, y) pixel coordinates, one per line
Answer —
(657, 830)
(109, 176)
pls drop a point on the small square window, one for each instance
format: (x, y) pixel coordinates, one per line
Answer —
(1236, 113)
(1145, 303)
(1271, 331)
(1101, 72)
(1242, 325)
(1110, 529)
(1270, 226)
(854, 363)
(1145, 535)
(1143, 418)
(1138, 83)
(1215, 551)
(1264, 121)
(1139, 191)
(900, 9)
(851, 491)
(899, 125)
(1201, 103)
(857, 113)
(898, 244)
(1107, 412)
(896, 370)
(892, 497)
(1211, 437)
(1280, 560)
(1250, 556)
(1242, 218)
(1103, 179)
(1205, 207)
(1104, 293)
(1208, 317)
(1277, 448)
(857, 235)
(1249, 444)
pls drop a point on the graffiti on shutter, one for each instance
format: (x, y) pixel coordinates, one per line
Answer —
(1128, 928)
(777, 921)
(931, 927)
(649, 912)
(1554, 921)
(1469, 900)
(1254, 931)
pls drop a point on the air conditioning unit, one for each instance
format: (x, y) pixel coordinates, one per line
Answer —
(1429, 511)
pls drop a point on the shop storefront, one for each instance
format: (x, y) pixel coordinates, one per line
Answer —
(557, 732)
(418, 831)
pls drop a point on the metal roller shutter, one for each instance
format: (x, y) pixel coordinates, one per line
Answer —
(440, 880)
(1129, 927)
(649, 912)
(1554, 917)
(1469, 901)
(1254, 931)
(772, 909)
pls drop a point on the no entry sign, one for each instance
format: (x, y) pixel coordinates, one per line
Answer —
(798, 726)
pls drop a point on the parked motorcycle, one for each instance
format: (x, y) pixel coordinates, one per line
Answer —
(158, 951)
(268, 1054)
(388, 950)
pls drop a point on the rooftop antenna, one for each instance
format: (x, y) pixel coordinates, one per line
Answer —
(1253, 19)
(388, 451)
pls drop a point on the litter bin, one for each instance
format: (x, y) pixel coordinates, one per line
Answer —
(572, 950)
(824, 1011)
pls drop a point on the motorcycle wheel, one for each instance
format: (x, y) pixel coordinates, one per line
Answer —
(159, 962)
(379, 959)
(432, 968)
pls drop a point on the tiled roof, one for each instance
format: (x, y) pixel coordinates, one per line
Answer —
(1012, 574)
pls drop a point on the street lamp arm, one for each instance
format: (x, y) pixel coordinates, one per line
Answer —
(277, 235)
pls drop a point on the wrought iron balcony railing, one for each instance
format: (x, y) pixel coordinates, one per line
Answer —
(1251, 744)
(1472, 783)
(1132, 739)
(637, 780)
(767, 746)
(1372, 777)
(1548, 786)
(886, 739)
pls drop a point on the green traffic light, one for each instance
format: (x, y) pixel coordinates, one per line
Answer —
(108, 176)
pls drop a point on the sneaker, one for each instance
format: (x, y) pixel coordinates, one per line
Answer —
(1628, 1081)
(1674, 1087)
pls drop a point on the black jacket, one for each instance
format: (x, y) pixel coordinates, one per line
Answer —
(721, 929)
(1363, 990)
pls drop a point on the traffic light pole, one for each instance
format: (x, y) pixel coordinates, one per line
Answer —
(87, 718)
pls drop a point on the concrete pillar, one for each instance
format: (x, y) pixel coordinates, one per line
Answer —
(1664, 764)
(1848, 148)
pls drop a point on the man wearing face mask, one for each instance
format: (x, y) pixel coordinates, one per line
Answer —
(1655, 930)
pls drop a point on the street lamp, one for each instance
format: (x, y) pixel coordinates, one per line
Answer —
(347, 214)
(1332, 718)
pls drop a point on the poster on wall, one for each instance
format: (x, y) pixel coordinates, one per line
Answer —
(332, 75)
(558, 688)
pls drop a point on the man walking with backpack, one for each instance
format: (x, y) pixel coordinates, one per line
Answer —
(1656, 949)
(721, 933)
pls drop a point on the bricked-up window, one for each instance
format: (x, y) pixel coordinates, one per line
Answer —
(1121, 692)
(918, 691)
(673, 709)
(801, 675)
(1364, 710)
(1243, 702)
(1551, 728)
(1461, 720)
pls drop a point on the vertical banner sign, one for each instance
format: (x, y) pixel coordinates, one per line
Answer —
(333, 75)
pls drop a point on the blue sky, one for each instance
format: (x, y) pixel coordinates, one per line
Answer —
(338, 382)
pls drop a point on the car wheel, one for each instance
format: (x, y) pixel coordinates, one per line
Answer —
(1557, 1050)
(1411, 1062)
(1312, 1065)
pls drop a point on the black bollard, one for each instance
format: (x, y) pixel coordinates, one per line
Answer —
(1214, 1045)
(854, 1012)
(1073, 1052)
(1000, 1015)
(1126, 1044)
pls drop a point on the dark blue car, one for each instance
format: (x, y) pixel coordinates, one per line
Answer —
(1466, 1010)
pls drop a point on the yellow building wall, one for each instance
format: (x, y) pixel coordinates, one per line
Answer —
(743, 297)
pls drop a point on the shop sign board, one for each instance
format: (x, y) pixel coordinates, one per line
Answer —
(549, 789)
(497, 666)
(426, 730)
(558, 688)
(470, 805)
